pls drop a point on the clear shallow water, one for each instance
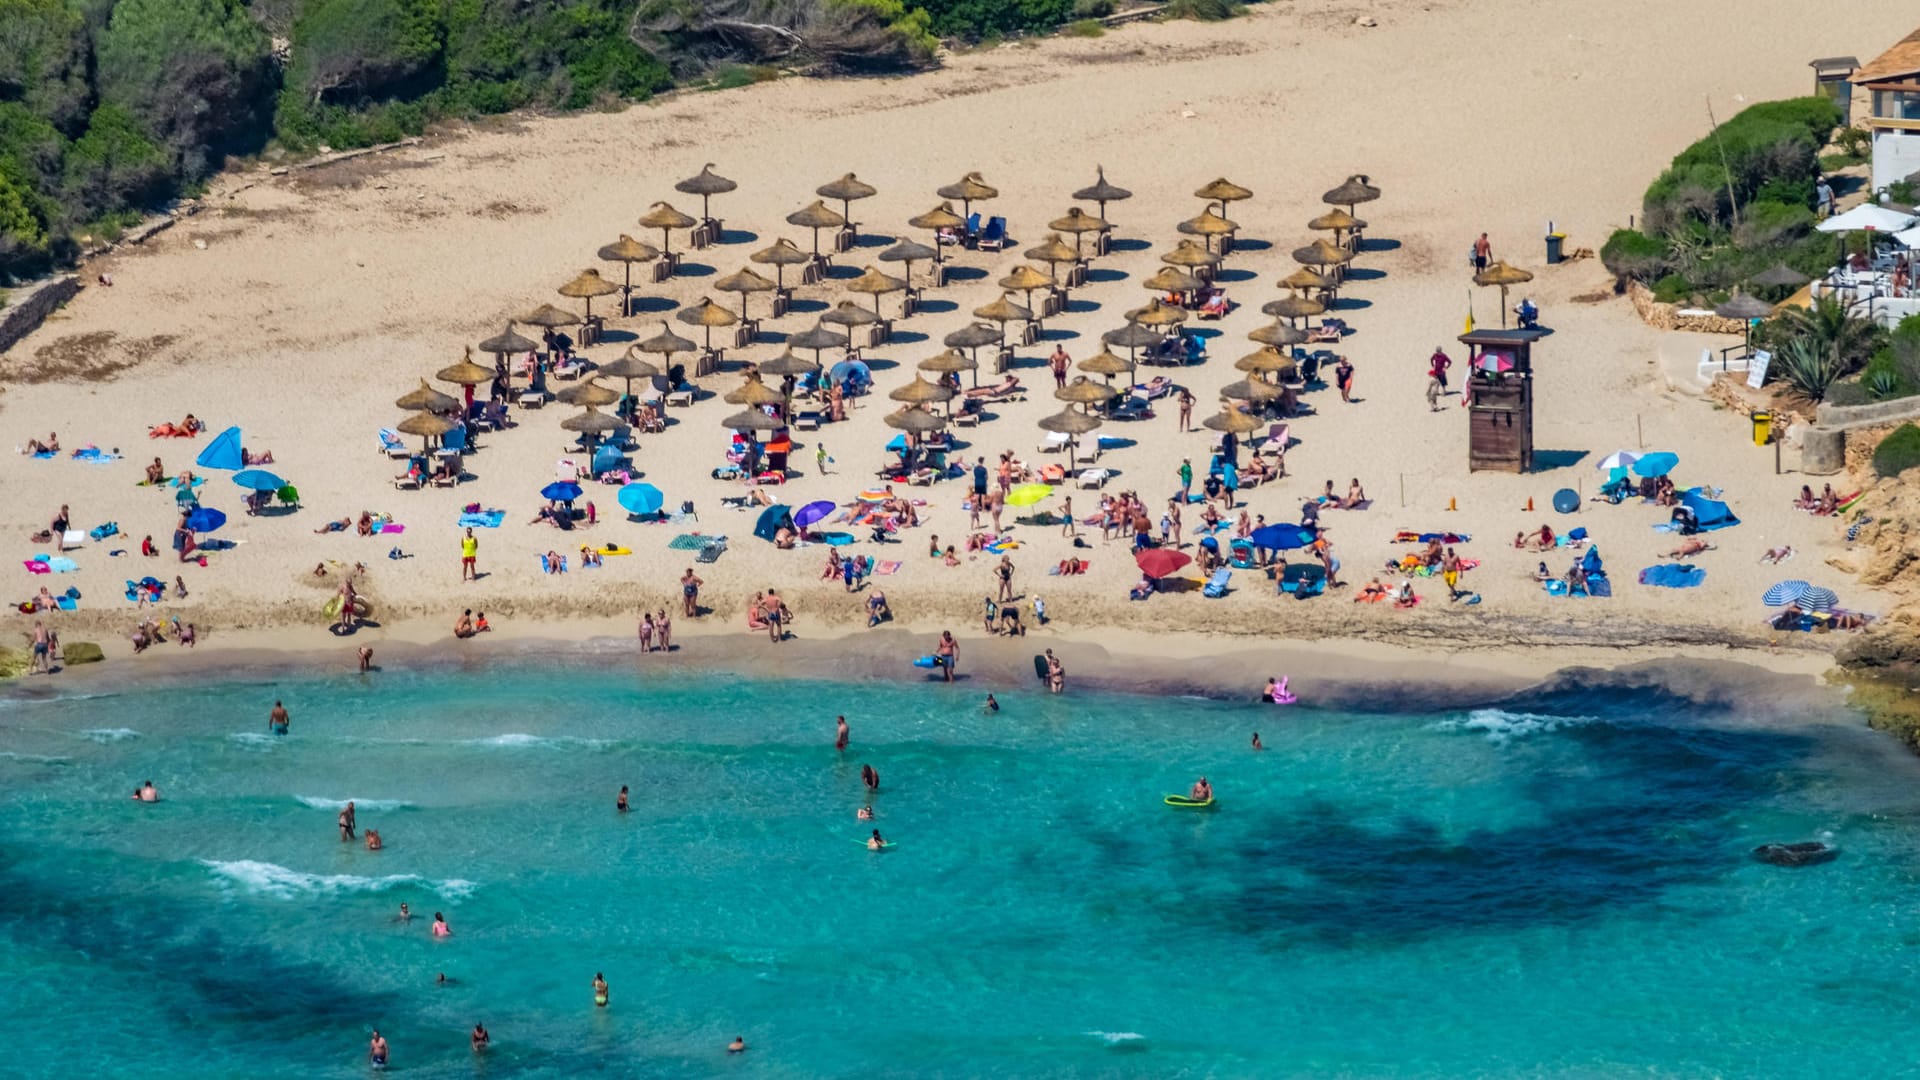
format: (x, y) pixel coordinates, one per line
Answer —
(1561, 887)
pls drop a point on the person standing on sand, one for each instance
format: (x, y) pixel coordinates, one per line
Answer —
(1067, 527)
(1343, 378)
(664, 627)
(690, 592)
(1004, 572)
(1056, 674)
(366, 659)
(1482, 253)
(1059, 361)
(840, 733)
(1186, 478)
(1186, 409)
(1437, 366)
(947, 652)
(469, 556)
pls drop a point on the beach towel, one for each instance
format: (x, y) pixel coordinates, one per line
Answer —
(833, 539)
(45, 455)
(96, 455)
(1673, 576)
(486, 519)
(37, 566)
(888, 568)
(687, 542)
(390, 527)
(1085, 565)
(1408, 536)
(60, 564)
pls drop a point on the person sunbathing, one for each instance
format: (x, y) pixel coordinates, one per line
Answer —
(1072, 566)
(980, 541)
(192, 425)
(784, 539)
(1543, 574)
(832, 569)
(336, 526)
(951, 558)
(553, 563)
(1141, 589)
(1829, 502)
(1541, 540)
(1356, 495)
(51, 446)
(589, 557)
(1806, 501)
(1405, 597)
(247, 457)
(1372, 592)
(1774, 556)
(1692, 545)
(1788, 619)
(1256, 470)
(156, 473)
(758, 497)
(756, 612)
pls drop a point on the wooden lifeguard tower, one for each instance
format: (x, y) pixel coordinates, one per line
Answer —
(1500, 420)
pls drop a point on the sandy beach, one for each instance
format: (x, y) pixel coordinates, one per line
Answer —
(299, 306)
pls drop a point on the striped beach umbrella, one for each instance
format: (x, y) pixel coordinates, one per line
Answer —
(1819, 599)
(1786, 592)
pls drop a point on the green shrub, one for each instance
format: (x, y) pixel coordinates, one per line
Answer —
(1806, 368)
(80, 652)
(1086, 28)
(113, 166)
(1672, 289)
(1202, 10)
(1632, 254)
(973, 20)
(1849, 392)
(360, 50)
(1772, 143)
(44, 49)
(1854, 142)
(195, 73)
(1881, 385)
(1093, 9)
(1898, 452)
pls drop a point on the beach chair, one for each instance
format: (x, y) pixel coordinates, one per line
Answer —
(1276, 440)
(1130, 408)
(680, 395)
(391, 445)
(1216, 586)
(1054, 441)
(1153, 389)
(807, 421)
(973, 229)
(1303, 580)
(1004, 390)
(453, 443)
(711, 550)
(407, 481)
(994, 237)
(1093, 478)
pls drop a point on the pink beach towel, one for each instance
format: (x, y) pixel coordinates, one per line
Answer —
(888, 568)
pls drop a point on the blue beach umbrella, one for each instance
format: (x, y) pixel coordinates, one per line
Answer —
(205, 519)
(812, 513)
(1281, 537)
(1785, 593)
(1659, 464)
(258, 480)
(1819, 599)
(561, 491)
(223, 452)
(641, 499)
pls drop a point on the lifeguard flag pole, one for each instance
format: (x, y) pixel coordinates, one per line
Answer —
(1469, 328)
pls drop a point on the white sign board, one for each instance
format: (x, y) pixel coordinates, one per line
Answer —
(1757, 368)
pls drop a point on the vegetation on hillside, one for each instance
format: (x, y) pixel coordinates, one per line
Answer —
(1732, 205)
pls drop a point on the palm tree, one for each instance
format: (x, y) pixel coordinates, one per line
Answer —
(1831, 332)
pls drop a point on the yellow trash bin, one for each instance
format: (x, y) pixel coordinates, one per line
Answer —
(1762, 427)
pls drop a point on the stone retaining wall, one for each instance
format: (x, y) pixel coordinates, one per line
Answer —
(28, 307)
(1667, 316)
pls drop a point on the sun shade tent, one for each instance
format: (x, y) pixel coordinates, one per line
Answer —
(224, 452)
(772, 520)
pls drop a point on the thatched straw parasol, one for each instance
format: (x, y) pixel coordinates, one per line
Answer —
(816, 216)
(909, 252)
(788, 364)
(1053, 251)
(1105, 363)
(591, 421)
(588, 392)
(1335, 221)
(1084, 391)
(665, 218)
(970, 189)
(818, 338)
(1742, 306)
(1026, 279)
(1069, 422)
(1306, 278)
(1321, 253)
(1189, 254)
(465, 373)
(706, 184)
(587, 286)
(972, 336)
(1356, 190)
(875, 283)
(752, 420)
(549, 317)
(846, 189)
(915, 421)
(1254, 390)
(1157, 314)
(743, 281)
(506, 341)
(1003, 311)
(1781, 276)
(754, 393)
(1223, 191)
(921, 392)
(940, 217)
(1077, 223)
(849, 314)
(628, 251)
(706, 314)
(780, 254)
(1268, 361)
(428, 426)
(1278, 333)
(1505, 277)
(427, 399)
(1209, 225)
(665, 343)
(949, 362)
(1170, 279)
(1131, 337)
(629, 366)
(1293, 307)
(1102, 192)
(1232, 420)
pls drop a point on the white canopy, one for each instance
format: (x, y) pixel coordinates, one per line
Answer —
(1910, 238)
(1867, 216)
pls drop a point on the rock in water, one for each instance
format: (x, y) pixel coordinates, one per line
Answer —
(1805, 853)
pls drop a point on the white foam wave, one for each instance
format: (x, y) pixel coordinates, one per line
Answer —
(521, 741)
(111, 734)
(321, 802)
(272, 879)
(1500, 725)
(1115, 1038)
(42, 758)
(253, 738)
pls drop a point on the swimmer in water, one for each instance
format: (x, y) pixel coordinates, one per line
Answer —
(480, 1039)
(865, 813)
(406, 915)
(277, 720)
(1202, 791)
(737, 1046)
(992, 705)
(599, 990)
(1256, 741)
(440, 927)
(373, 840)
(840, 733)
(620, 804)
(870, 778)
(346, 821)
(443, 980)
(874, 842)
(146, 792)
(377, 1051)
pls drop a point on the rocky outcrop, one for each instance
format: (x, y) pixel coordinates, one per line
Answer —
(1887, 551)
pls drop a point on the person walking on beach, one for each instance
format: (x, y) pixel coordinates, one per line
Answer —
(1437, 366)
(1343, 378)
(1004, 572)
(947, 652)
(1066, 517)
(840, 733)
(820, 458)
(469, 554)
(1186, 478)
(1434, 387)
(1482, 253)
(690, 592)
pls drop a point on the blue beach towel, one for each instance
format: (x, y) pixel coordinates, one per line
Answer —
(1673, 576)
(94, 454)
(489, 519)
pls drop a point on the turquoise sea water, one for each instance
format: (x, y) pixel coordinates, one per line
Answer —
(1560, 886)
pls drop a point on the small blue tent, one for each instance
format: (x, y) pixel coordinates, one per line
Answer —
(1707, 513)
(772, 520)
(223, 452)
